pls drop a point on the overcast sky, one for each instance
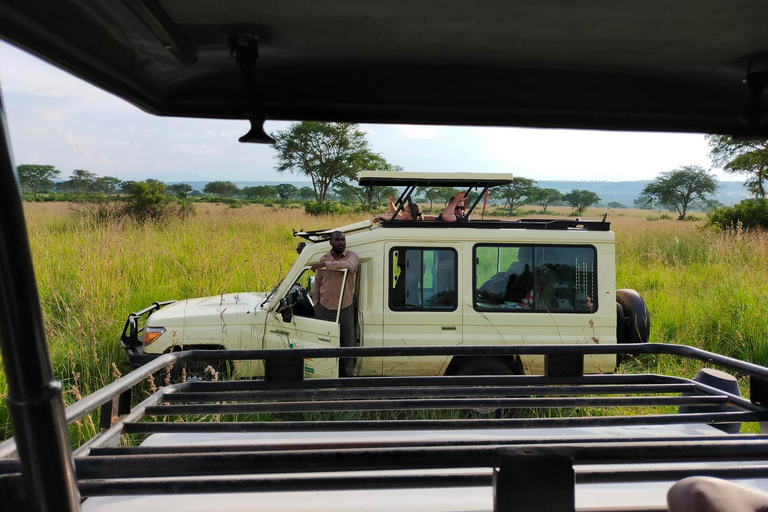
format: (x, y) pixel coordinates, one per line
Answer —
(60, 120)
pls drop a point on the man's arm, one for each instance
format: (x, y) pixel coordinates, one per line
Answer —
(350, 263)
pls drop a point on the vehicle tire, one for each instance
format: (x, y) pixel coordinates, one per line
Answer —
(485, 366)
(633, 322)
(197, 371)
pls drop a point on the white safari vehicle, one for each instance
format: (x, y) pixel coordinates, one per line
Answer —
(562, 435)
(424, 283)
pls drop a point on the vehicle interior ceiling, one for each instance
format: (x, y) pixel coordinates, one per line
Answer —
(690, 66)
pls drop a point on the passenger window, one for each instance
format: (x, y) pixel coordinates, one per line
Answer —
(422, 279)
(535, 278)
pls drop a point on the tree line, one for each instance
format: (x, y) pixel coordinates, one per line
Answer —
(331, 155)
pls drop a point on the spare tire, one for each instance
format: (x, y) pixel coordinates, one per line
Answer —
(633, 322)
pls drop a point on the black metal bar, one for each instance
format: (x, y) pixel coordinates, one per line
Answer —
(481, 350)
(422, 392)
(124, 403)
(437, 382)
(399, 425)
(563, 365)
(383, 459)
(434, 403)
(105, 415)
(531, 484)
(758, 390)
(164, 486)
(316, 444)
(34, 396)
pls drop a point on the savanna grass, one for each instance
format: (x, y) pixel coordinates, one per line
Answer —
(703, 288)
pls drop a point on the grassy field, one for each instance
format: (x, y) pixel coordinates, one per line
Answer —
(703, 288)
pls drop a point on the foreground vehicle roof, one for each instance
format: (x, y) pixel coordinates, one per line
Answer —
(469, 442)
(691, 65)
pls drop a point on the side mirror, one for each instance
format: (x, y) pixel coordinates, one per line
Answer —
(285, 310)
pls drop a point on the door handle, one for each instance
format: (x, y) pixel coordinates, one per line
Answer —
(448, 328)
(324, 338)
(278, 331)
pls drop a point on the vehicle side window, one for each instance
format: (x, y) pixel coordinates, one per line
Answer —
(422, 279)
(535, 278)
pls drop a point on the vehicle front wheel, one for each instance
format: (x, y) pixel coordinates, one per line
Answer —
(197, 371)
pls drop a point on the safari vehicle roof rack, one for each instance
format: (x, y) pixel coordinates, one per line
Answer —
(550, 224)
(412, 180)
(322, 235)
(364, 440)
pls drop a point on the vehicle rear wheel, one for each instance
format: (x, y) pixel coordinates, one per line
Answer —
(485, 366)
(633, 323)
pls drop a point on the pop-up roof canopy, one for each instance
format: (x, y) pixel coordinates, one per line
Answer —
(433, 179)
(687, 65)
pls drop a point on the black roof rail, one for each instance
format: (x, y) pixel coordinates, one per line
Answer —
(551, 224)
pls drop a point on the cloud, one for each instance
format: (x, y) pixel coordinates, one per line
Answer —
(191, 149)
(81, 145)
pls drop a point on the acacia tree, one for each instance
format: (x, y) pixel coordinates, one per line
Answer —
(260, 192)
(82, 181)
(37, 177)
(366, 161)
(180, 190)
(580, 200)
(516, 193)
(679, 188)
(306, 193)
(748, 157)
(325, 152)
(545, 197)
(286, 191)
(221, 188)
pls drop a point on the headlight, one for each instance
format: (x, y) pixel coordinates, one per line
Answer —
(152, 333)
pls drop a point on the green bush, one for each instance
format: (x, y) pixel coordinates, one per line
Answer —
(327, 208)
(748, 214)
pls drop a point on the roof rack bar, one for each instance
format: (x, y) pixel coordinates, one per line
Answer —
(420, 392)
(435, 403)
(330, 460)
(391, 443)
(165, 486)
(400, 425)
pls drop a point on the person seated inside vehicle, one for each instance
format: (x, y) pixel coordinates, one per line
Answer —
(520, 279)
(411, 212)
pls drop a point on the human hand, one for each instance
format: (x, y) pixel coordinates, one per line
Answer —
(317, 266)
(392, 199)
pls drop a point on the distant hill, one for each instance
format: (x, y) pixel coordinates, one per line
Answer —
(624, 192)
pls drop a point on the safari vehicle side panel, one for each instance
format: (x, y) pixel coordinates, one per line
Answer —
(438, 302)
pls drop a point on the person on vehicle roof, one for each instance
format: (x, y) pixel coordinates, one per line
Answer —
(410, 212)
(455, 209)
(328, 289)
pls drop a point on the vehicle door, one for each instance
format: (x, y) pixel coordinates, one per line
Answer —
(421, 304)
(294, 325)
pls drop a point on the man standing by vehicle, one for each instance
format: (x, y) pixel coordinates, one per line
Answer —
(328, 288)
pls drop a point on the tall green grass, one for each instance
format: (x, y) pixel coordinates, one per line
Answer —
(703, 288)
